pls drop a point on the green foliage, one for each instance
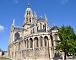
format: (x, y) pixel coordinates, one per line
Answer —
(67, 40)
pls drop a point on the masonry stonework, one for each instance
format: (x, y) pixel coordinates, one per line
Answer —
(35, 40)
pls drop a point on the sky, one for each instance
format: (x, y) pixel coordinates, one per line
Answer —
(59, 12)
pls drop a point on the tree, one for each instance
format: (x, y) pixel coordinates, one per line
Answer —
(67, 40)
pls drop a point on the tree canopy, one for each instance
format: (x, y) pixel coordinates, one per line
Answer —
(67, 40)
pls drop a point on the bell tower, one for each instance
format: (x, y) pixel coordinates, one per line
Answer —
(28, 16)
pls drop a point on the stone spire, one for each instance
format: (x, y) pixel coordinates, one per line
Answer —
(35, 14)
(11, 31)
(28, 5)
(45, 17)
(13, 23)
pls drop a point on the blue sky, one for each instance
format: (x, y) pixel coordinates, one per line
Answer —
(59, 12)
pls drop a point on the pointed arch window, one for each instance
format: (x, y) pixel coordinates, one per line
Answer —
(26, 19)
(51, 39)
(37, 28)
(30, 20)
(33, 30)
(40, 26)
(27, 43)
(17, 36)
(27, 12)
(45, 27)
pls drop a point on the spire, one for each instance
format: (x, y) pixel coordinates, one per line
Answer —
(41, 17)
(11, 31)
(13, 24)
(45, 17)
(35, 14)
(28, 5)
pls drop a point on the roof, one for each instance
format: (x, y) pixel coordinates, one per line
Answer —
(54, 28)
(40, 19)
(0, 50)
(28, 8)
(18, 28)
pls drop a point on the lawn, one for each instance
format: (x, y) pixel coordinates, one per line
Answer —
(3, 58)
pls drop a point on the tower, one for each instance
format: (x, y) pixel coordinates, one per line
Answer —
(28, 17)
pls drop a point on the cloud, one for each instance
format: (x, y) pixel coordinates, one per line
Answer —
(16, 1)
(64, 1)
(1, 28)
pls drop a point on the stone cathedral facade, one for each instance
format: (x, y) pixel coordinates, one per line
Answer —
(34, 40)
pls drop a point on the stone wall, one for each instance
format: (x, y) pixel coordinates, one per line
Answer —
(37, 53)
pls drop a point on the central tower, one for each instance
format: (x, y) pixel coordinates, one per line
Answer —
(28, 17)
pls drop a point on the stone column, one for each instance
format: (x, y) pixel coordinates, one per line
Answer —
(50, 49)
(14, 52)
(21, 55)
(63, 56)
(46, 27)
(43, 42)
(33, 43)
(23, 44)
(39, 42)
(26, 43)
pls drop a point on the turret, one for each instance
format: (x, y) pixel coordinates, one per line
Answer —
(12, 32)
(45, 17)
(46, 22)
(35, 16)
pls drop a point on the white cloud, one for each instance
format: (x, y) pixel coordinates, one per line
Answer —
(1, 28)
(16, 1)
(64, 1)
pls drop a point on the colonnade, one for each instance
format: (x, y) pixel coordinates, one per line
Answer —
(36, 42)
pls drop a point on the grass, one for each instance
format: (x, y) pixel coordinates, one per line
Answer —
(3, 58)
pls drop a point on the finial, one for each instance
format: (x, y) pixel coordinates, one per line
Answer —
(45, 17)
(28, 5)
(13, 23)
(35, 14)
(40, 16)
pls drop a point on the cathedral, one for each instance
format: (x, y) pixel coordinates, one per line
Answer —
(34, 40)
